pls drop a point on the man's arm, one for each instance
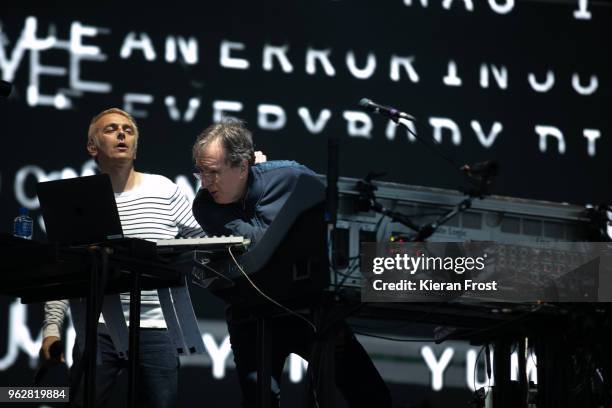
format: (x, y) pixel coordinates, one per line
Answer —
(185, 221)
(55, 313)
(246, 230)
(279, 186)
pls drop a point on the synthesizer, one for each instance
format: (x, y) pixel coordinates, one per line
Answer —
(214, 242)
(495, 218)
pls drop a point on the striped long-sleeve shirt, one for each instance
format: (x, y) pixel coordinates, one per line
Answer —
(155, 209)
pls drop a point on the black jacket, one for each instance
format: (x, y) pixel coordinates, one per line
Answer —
(268, 187)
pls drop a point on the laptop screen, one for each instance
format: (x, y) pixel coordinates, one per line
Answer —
(80, 210)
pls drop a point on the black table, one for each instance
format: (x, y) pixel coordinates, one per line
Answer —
(38, 272)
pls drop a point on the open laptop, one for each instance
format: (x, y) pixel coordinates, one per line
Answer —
(80, 211)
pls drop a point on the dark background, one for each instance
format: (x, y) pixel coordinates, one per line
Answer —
(534, 37)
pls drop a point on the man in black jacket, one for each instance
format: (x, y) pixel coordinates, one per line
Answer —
(240, 198)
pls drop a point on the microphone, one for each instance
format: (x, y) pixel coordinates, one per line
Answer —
(5, 89)
(388, 111)
(489, 168)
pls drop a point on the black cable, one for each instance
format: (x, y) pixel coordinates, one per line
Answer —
(424, 214)
(394, 338)
(476, 366)
(531, 354)
(346, 275)
(349, 268)
(436, 147)
(349, 274)
(403, 324)
(315, 363)
(498, 325)
(265, 296)
(380, 220)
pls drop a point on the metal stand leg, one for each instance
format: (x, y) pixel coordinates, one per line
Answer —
(501, 368)
(607, 369)
(134, 340)
(522, 373)
(326, 377)
(91, 338)
(264, 364)
(324, 359)
(97, 288)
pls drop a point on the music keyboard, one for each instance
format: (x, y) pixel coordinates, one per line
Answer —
(201, 243)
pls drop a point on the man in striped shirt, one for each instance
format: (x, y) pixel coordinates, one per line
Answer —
(150, 207)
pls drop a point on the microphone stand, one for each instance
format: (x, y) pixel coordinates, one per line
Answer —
(481, 192)
(367, 201)
(489, 170)
(482, 174)
(428, 230)
(332, 200)
(435, 147)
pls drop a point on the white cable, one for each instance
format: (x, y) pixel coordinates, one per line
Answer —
(314, 328)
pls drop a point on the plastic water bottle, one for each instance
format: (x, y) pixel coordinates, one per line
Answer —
(22, 227)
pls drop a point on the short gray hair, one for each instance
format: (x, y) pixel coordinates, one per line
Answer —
(236, 139)
(92, 133)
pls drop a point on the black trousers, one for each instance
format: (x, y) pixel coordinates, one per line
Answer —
(157, 370)
(355, 375)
